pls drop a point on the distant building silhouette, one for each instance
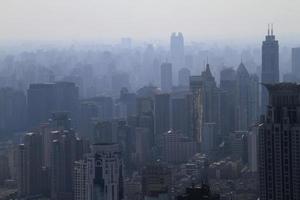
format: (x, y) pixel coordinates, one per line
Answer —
(177, 51)
(30, 166)
(166, 77)
(270, 65)
(162, 114)
(296, 63)
(45, 98)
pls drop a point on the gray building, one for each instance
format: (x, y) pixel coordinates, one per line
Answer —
(270, 65)
(161, 114)
(296, 63)
(166, 77)
(279, 144)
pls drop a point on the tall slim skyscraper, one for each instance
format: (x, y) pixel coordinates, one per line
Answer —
(30, 166)
(228, 98)
(242, 99)
(279, 144)
(177, 51)
(196, 110)
(270, 65)
(166, 77)
(296, 63)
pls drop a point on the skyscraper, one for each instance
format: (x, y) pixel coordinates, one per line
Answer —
(108, 172)
(45, 98)
(279, 144)
(100, 174)
(296, 63)
(197, 107)
(166, 77)
(228, 98)
(30, 166)
(177, 51)
(270, 65)
(242, 99)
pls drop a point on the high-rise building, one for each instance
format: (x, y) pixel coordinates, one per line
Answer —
(296, 63)
(208, 137)
(166, 77)
(197, 107)
(100, 174)
(64, 155)
(180, 115)
(205, 101)
(253, 149)
(228, 98)
(177, 51)
(279, 144)
(45, 98)
(270, 65)
(108, 172)
(83, 179)
(242, 99)
(30, 166)
(247, 100)
(142, 145)
(13, 110)
(161, 113)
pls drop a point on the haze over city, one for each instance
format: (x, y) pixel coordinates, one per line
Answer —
(149, 100)
(199, 20)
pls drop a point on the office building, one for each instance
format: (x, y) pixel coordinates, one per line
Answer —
(177, 51)
(45, 98)
(270, 66)
(279, 142)
(29, 166)
(228, 99)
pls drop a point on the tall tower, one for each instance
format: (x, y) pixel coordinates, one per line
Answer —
(270, 65)
(177, 51)
(279, 142)
(30, 165)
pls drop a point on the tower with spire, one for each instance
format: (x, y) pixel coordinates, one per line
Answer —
(270, 64)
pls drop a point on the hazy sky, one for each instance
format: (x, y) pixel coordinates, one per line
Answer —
(146, 19)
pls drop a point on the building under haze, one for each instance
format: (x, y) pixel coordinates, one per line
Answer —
(45, 98)
(161, 114)
(279, 144)
(166, 77)
(177, 51)
(270, 65)
(296, 63)
(29, 166)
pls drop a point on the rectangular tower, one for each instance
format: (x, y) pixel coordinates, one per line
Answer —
(279, 144)
(270, 66)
